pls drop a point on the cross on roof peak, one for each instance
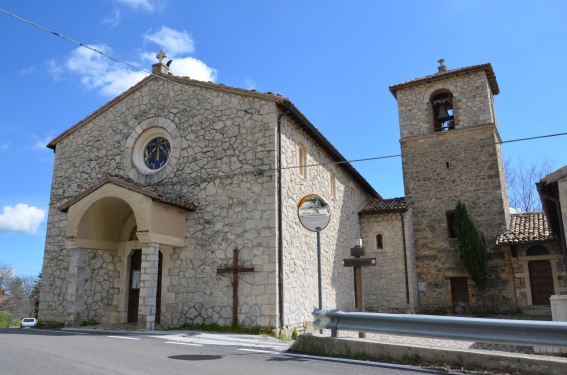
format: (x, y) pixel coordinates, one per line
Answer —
(160, 56)
(441, 67)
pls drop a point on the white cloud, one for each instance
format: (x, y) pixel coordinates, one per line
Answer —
(99, 73)
(54, 69)
(146, 5)
(26, 71)
(21, 218)
(113, 19)
(41, 144)
(172, 41)
(193, 68)
(249, 84)
(111, 78)
(120, 80)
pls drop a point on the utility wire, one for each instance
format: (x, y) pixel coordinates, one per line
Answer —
(440, 149)
(249, 112)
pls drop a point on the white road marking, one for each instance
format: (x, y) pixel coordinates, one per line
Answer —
(124, 337)
(182, 343)
(259, 351)
(62, 332)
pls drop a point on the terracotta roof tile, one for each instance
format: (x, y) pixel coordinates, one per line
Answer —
(486, 67)
(530, 227)
(379, 206)
(172, 199)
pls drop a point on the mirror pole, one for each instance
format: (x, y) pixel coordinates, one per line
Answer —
(318, 229)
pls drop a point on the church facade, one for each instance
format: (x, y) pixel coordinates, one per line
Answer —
(176, 202)
(153, 193)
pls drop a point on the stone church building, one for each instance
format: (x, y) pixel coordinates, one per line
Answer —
(176, 202)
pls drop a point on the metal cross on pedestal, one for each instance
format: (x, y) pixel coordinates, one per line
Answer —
(234, 270)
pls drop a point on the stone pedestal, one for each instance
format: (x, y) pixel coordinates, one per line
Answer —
(559, 314)
(559, 308)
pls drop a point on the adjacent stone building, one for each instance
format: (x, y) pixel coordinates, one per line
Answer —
(176, 202)
(537, 261)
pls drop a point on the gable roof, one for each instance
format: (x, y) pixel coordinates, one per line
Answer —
(548, 190)
(555, 176)
(283, 103)
(381, 206)
(526, 228)
(449, 73)
(177, 200)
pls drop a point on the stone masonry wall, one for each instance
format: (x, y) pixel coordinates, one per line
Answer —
(438, 172)
(220, 147)
(300, 246)
(390, 285)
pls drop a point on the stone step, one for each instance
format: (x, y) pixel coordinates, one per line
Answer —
(537, 310)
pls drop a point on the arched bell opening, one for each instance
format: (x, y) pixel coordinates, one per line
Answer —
(443, 114)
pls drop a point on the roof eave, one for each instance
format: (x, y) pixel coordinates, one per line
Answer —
(286, 104)
(442, 75)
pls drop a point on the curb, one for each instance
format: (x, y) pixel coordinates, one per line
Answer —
(469, 359)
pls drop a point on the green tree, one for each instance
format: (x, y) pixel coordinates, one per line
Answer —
(472, 246)
(19, 293)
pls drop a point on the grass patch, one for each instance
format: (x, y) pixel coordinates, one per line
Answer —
(90, 322)
(41, 324)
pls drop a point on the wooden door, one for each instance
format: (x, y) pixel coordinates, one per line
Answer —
(541, 281)
(158, 295)
(460, 295)
(134, 286)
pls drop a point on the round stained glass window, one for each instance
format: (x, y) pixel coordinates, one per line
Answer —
(156, 153)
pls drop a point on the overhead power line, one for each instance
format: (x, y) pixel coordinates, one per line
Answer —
(249, 112)
(429, 151)
(121, 61)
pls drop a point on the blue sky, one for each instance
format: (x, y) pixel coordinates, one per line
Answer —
(333, 59)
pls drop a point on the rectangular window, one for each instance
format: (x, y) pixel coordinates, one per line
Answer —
(333, 185)
(352, 199)
(450, 215)
(302, 160)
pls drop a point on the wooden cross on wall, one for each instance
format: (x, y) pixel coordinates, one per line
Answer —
(234, 270)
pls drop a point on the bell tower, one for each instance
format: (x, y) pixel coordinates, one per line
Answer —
(451, 152)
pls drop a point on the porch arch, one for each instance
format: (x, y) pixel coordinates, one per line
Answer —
(98, 219)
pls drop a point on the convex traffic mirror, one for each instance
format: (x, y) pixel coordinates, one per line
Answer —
(314, 212)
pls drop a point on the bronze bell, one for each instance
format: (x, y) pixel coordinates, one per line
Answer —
(443, 114)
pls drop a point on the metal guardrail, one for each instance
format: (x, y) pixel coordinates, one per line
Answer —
(503, 331)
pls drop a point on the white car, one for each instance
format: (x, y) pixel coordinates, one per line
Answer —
(28, 322)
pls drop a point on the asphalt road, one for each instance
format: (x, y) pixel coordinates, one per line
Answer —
(32, 351)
